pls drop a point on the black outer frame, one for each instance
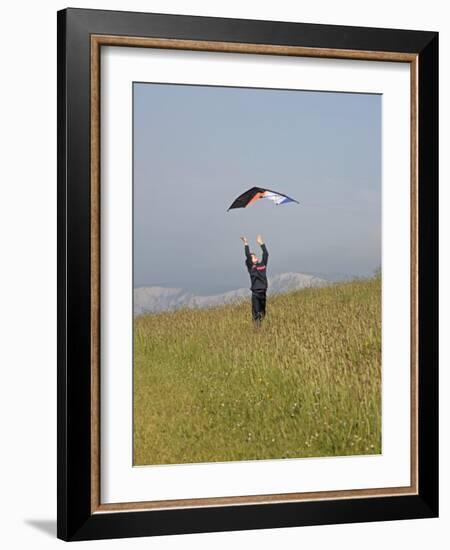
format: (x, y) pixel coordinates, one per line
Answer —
(75, 521)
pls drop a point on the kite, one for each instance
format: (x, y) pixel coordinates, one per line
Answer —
(256, 193)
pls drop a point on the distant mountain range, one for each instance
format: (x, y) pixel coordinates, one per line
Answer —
(153, 299)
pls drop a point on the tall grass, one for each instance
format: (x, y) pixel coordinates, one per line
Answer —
(208, 386)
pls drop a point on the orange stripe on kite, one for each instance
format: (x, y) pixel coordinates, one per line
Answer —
(257, 196)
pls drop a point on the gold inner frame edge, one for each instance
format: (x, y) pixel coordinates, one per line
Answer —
(263, 49)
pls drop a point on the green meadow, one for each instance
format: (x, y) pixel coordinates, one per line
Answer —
(209, 386)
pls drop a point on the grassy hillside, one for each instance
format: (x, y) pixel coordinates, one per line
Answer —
(208, 386)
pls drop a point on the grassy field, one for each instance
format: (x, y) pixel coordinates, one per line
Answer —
(208, 386)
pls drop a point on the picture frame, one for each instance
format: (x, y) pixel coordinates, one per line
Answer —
(81, 36)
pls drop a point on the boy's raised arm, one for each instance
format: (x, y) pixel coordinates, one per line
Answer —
(246, 247)
(248, 258)
(265, 252)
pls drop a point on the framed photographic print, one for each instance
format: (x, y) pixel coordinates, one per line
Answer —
(247, 271)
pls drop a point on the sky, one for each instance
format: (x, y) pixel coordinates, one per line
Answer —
(196, 148)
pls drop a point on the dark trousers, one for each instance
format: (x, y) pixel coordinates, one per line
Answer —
(258, 305)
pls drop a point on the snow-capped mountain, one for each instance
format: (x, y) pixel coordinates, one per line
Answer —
(152, 299)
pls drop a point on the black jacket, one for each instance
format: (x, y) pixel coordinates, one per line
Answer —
(258, 272)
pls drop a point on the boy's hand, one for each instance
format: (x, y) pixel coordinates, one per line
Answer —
(259, 240)
(244, 240)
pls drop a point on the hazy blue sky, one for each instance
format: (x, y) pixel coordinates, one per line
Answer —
(196, 148)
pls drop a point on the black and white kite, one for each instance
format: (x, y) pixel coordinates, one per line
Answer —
(256, 193)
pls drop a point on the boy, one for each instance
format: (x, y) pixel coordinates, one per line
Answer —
(258, 276)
